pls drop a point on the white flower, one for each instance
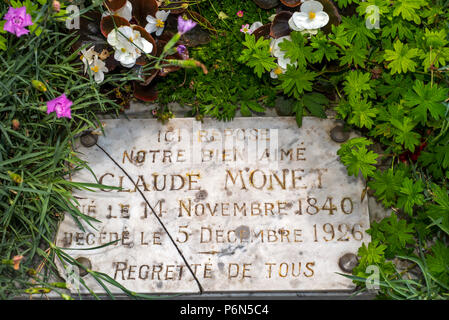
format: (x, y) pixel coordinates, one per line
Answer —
(98, 68)
(276, 72)
(87, 57)
(128, 45)
(157, 24)
(311, 17)
(124, 12)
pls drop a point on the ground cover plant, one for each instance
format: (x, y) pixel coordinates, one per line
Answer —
(380, 65)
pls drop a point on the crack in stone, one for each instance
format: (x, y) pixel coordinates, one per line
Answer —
(157, 217)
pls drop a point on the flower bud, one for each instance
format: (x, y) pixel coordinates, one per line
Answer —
(56, 5)
(39, 85)
(15, 177)
(15, 124)
(222, 15)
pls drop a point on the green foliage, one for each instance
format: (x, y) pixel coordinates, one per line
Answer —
(230, 85)
(296, 49)
(438, 261)
(427, 98)
(296, 80)
(357, 158)
(401, 58)
(257, 55)
(36, 151)
(439, 210)
(387, 185)
(410, 195)
(394, 232)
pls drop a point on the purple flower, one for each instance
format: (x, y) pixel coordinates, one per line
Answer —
(182, 50)
(16, 21)
(185, 25)
(61, 105)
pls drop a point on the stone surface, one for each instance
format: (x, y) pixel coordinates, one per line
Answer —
(253, 205)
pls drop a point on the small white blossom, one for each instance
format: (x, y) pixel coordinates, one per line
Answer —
(87, 57)
(98, 68)
(311, 17)
(157, 24)
(128, 45)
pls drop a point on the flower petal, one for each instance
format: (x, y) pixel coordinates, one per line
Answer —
(151, 27)
(163, 15)
(320, 20)
(146, 46)
(255, 26)
(292, 24)
(311, 6)
(151, 19)
(125, 11)
(159, 31)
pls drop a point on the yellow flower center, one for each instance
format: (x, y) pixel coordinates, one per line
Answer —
(159, 23)
(82, 57)
(123, 50)
(312, 15)
(95, 69)
(131, 39)
(278, 71)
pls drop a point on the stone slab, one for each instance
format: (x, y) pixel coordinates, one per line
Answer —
(252, 205)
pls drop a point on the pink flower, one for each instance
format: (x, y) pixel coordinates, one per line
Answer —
(245, 28)
(61, 105)
(16, 21)
(240, 13)
(185, 25)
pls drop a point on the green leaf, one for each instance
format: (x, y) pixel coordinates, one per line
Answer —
(315, 104)
(358, 84)
(2, 43)
(356, 157)
(322, 49)
(296, 49)
(299, 109)
(401, 58)
(404, 135)
(387, 185)
(411, 195)
(407, 9)
(427, 98)
(257, 55)
(296, 80)
(357, 31)
(439, 211)
(372, 254)
(363, 113)
(354, 55)
(438, 261)
(397, 232)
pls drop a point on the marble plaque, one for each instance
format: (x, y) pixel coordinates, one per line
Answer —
(252, 205)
